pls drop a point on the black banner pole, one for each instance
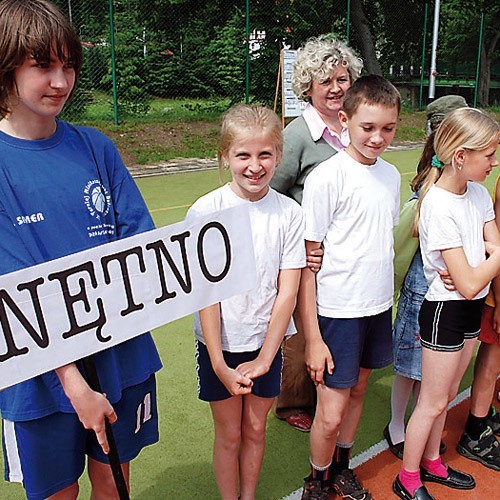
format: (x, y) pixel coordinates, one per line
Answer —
(114, 459)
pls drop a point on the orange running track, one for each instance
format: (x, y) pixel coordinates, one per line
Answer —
(378, 473)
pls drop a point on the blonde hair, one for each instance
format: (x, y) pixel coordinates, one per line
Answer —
(318, 59)
(467, 128)
(244, 119)
(33, 28)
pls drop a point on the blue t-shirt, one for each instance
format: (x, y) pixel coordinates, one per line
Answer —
(59, 196)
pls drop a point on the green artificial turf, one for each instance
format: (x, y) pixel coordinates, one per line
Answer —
(179, 466)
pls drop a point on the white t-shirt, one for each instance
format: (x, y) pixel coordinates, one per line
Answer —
(449, 220)
(278, 237)
(352, 208)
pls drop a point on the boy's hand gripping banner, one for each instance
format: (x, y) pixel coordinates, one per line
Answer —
(63, 310)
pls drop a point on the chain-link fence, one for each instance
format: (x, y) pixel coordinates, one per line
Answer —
(138, 53)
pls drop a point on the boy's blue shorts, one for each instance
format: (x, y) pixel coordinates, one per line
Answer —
(356, 342)
(210, 388)
(48, 454)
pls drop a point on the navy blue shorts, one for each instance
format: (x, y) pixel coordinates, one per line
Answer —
(210, 388)
(356, 342)
(444, 326)
(48, 454)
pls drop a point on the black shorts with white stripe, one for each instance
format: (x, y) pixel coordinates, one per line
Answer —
(445, 325)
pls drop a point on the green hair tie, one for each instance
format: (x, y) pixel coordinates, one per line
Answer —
(435, 162)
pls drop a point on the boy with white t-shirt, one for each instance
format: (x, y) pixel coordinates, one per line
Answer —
(351, 204)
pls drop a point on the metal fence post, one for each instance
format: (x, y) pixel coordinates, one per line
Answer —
(422, 67)
(476, 87)
(247, 59)
(348, 22)
(113, 60)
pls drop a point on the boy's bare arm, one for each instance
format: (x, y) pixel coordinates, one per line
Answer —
(91, 407)
(317, 355)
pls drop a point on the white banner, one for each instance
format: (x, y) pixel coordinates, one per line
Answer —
(292, 105)
(63, 310)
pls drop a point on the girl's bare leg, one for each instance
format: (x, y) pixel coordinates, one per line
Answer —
(253, 442)
(436, 434)
(432, 404)
(227, 415)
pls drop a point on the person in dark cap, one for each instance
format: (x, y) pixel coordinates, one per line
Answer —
(436, 110)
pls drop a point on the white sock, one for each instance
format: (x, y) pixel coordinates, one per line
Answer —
(400, 396)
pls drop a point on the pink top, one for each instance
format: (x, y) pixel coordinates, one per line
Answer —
(319, 128)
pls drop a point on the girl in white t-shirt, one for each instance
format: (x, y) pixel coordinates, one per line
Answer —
(238, 340)
(456, 230)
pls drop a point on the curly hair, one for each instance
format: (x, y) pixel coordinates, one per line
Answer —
(317, 60)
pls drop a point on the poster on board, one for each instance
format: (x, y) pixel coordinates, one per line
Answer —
(292, 106)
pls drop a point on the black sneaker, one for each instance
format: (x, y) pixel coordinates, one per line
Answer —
(313, 490)
(485, 450)
(346, 485)
(494, 421)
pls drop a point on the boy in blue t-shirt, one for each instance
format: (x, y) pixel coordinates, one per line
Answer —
(351, 204)
(73, 179)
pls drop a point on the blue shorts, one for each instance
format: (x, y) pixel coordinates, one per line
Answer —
(407, 348)
(445, 325)
(210, 388)
(356, 342)
(48, 454)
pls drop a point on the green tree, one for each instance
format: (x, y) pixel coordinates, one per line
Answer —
(133, 98)
(227, 76)
(459, 31)
(400, 41)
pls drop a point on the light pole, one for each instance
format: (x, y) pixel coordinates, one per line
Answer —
(432, 76)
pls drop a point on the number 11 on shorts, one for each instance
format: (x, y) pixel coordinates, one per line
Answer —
(143, 412)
